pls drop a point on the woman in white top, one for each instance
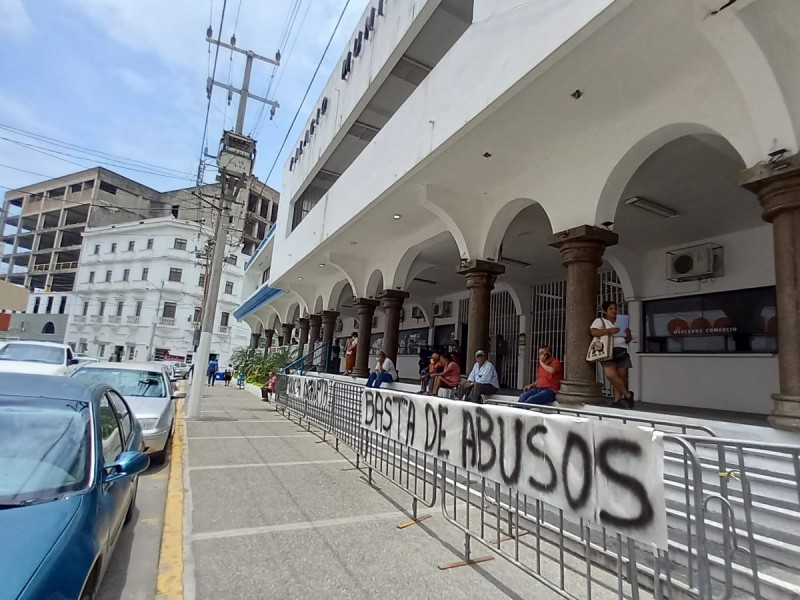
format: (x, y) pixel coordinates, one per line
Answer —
(384, 372)
(615, 369)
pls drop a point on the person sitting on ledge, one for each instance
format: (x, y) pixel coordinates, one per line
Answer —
(482, 380)
(449, 379)
(384, 372)
(548, 380)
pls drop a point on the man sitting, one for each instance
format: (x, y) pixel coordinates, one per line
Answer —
(425, 379)
(384, 372)
(548, 380)
(448, 379)
(482, 380)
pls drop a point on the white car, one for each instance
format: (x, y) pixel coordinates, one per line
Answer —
(37, 358)
(148, 391)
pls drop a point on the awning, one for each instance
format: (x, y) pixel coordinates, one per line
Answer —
(258, 299)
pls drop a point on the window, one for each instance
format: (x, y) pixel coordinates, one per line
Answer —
(202, 281)
(131, 352)
(742, 321)
(231, 259)
(108, 276)
(101, 350)
(91, 277)
(228, 287)
(131, 246)
(97, 248)
(107, 187)
(87, 185)
(114, 247)
(36, 302)
(145, 271)
(175, 274)
(175, 210)
(126, 275)
(49, 308)
(85, 308)
(197, 313)
(265, 275)
(150, 244)
(138, 312)
(62, 305)
(109, 430)
(49, 328)
(120, 307)
(102, 310)
(170, 308)
(123, 413)
(180, 244)
(224, 318)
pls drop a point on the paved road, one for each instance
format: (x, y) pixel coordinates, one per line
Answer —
(132, 573)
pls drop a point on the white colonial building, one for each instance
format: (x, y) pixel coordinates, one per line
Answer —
(498, 167)
(139, 291)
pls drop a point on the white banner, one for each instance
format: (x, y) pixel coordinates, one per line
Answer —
(610, 474)
(312, 390)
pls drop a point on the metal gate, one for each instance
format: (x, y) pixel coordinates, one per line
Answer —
(549, 315)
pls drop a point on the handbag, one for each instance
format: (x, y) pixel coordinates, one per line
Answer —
(600, 348)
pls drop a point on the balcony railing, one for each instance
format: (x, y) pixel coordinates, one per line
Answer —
(96, 319)
(79, 319)
(133, 320)
(224, 329)
(169, 321)
(115, 320)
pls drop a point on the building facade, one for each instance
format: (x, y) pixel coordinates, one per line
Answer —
(139, 292)
(524, 161)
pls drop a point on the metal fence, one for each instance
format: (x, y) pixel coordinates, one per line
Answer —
(733, 510)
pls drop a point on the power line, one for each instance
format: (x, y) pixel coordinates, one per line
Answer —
(209, 92)
(310, 83)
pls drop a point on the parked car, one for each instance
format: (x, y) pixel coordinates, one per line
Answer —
(178, 369)
(83, 358)
(148, 389)
(38, 358)
(70, 456)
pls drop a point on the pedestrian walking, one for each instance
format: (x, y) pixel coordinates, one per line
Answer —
(616, 368)
(228, 375)
(213, 367)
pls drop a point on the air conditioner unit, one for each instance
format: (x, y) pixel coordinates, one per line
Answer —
(694, 262)
(416, 313)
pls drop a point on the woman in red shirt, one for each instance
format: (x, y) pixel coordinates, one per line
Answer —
(449, 378)
(548, 380)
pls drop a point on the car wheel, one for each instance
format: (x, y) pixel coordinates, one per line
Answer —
(159, 458)
(132, 505)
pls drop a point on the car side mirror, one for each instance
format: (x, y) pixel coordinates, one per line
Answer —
(127, 465)
(178, 395)
(75, 361)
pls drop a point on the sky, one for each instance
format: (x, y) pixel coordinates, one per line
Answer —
(127, 78)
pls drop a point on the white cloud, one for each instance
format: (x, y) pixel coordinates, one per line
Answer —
(14, 20)
(134, 80)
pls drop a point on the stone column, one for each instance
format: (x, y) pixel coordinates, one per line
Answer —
(303, 338)
(777, 186)
(328, 325)
(366, 310)
(582, 251)
(392, 303)
(268, 335)
(286, 330)
(480, 276)
(254, 339)
(315, 322)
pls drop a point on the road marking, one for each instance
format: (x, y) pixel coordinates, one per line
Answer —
(251, 437)
(276, 464)
(169, 585)
(214, 535)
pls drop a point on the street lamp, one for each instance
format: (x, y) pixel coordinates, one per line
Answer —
(150, 353)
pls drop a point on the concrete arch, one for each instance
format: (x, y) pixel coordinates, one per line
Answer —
(319, 305)
(336, 292)
(446, 205)
(502, 286)
(256, 325)
(635, 156)
(375, 283)
(402, 272)
(499, 225)
(754, 76)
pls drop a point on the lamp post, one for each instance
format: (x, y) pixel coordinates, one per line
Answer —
(150, 353)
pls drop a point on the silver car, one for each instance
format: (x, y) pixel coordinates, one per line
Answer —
(149, 392)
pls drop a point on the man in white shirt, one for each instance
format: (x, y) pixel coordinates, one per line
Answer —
(482, 380)
(384, 372)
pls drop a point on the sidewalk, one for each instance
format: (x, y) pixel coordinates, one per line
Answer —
(274, 512)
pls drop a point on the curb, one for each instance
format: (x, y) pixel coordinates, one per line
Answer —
(169, 585)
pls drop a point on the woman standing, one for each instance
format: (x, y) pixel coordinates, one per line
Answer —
(333, 364)
(350, 354)
(615, 369)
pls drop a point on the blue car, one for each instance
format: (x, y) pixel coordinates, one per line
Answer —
(70, 456)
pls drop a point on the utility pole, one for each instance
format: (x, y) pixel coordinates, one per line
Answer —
(235, 164)
(150, 350)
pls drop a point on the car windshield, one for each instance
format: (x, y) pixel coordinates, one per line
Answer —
(33, 353)
(44, 449)
(128, 382)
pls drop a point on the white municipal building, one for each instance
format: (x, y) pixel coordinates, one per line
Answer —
(490, 170)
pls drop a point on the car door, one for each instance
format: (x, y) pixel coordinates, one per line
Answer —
(70, 357)
(115, 495)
